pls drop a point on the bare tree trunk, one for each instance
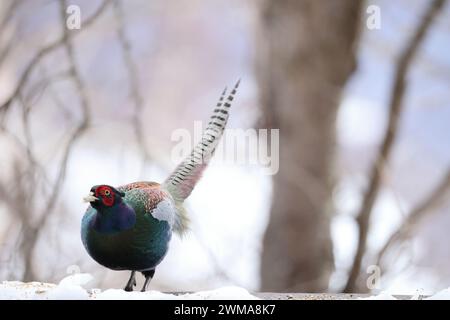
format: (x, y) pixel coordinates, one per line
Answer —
(306, 55)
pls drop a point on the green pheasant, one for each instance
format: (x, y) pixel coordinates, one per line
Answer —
(130, 227)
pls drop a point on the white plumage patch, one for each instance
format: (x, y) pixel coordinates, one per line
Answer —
(165, 211)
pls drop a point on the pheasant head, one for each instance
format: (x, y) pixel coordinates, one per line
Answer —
(104, 196)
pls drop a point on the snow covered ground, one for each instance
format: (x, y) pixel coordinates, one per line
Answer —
(74, 288)
(441, 295)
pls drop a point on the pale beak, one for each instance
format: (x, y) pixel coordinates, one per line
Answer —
(90, 197)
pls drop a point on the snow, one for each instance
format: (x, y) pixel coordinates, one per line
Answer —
(380, 296)
(441, 295)
(384, 295)
(73, 288)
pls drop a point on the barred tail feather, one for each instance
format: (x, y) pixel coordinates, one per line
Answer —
(186, 175)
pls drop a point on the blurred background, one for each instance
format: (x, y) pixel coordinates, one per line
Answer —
(358, 90)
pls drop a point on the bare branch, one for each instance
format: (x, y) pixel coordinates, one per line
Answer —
(48, 209)
(395, 110)
(42, 53)
(434, 199)
(9, 13)
(133, 78)
(6, 19)
(20, 197)
(82, 126)
(37, 90)
(26, 74)
(6, 50)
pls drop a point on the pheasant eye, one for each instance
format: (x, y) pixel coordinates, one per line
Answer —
(107, 193)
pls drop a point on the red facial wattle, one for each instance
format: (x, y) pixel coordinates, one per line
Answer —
(106, 195)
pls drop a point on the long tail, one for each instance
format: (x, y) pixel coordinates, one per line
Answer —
(186, 175)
